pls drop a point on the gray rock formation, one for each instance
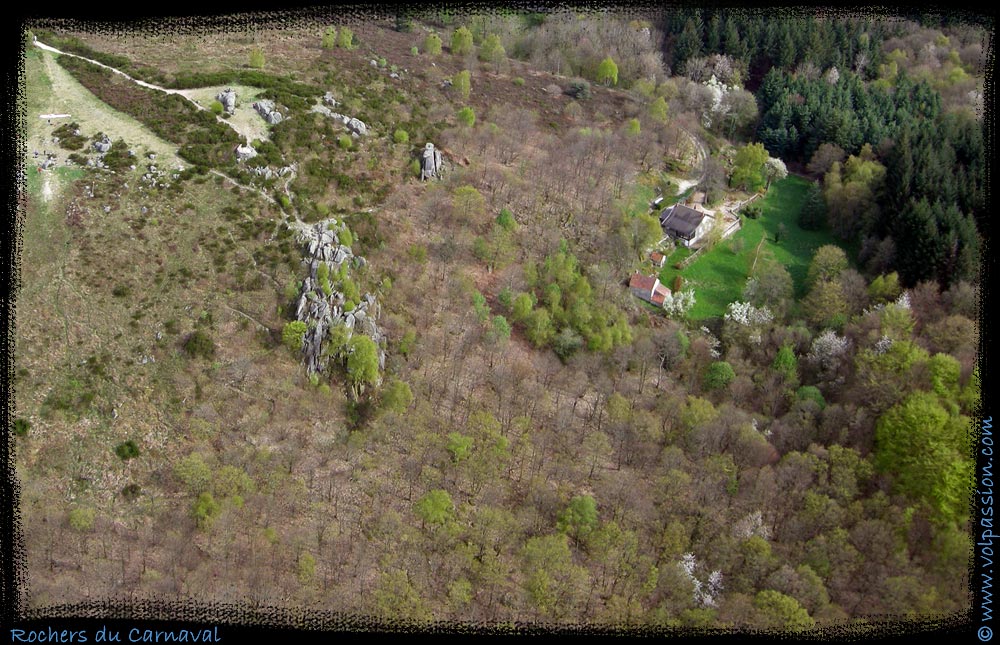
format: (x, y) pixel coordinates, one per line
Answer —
(321, 311)
(430, 162)
(244, 152)
(228, 100)
(329, 100)
(357, 127)
(103, 145)
(266, 109)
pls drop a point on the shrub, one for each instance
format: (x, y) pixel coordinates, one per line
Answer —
(382, 62)
(293, 334)
(579, 89)
(345, 236)
(678, 283)
(401, 136)
(215, 107)
(518, 81)
(415, 167)
(467, 117)
(257, 58)
(81, 519)
(131, 492)
(21, 427)
(633, 128)
(752, 211)
(345, 141)
(205, 510)
(414, 51)
(199, 343)
(127, 450)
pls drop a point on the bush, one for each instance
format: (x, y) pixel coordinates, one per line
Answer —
(199, 343)
(491, 50)
(415, 167)
(752, 211)
(579, 89)
(432, 45)
(401, 136)
(21, 427)
(345, 141)
(678, 283)
(131, 492)
(81, 519)
(414, 51)
(127, 450)
(257, 58)
(293, 334)
(215, 107)
(382, 62)
(467, 117)
(518, 81)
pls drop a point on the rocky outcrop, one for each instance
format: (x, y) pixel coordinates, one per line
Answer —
(430, 162)
(321, 311)
(103, 145)
(245, 152)
(267, 110)
(357, 127)
(228, 100)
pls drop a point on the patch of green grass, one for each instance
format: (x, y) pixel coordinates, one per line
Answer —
(719, 275)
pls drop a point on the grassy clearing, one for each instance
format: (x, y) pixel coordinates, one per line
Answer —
(245, 119)
(60, 93)
(719, 275)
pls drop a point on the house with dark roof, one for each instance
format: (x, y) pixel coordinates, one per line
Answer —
(685, 224)
(648, 288)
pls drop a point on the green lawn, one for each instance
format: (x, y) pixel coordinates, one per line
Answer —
(718, 276)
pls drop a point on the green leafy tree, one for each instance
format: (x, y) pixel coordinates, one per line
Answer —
(926, 448)
(554, 584)
(81, 519)
(257, 58)
(538, 327)
(293, 334)
(330, 38)
(658, 110)
(607, 72)
(432, 44)
(777, 611)
(748, 167)
(786, 364)
(462, 81)
(467, 117)
(719, 375)
(825, 305)
(345, 39)
(468, 203)
(306, 568)
(492, 50)
(401, 136)
(435, 507)
(397, 396)
(459, 445)
(362, 364)
(633, 128)
(827, 264)
(579, 519)
(523, 304)
(205, 510)
(461, 42)
(506, 220)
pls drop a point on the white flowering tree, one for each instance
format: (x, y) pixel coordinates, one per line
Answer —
(677, 305)
(774, 169)
(706, 593)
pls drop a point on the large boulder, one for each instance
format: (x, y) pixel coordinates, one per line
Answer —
(103, 145)
(430, 162)
(228, 100)
(244, 152)
(357, 126)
